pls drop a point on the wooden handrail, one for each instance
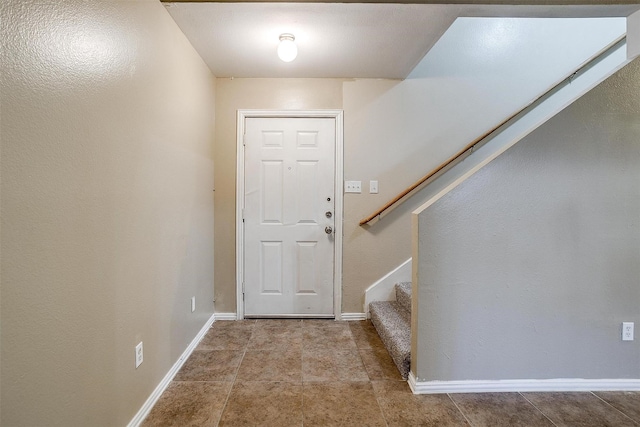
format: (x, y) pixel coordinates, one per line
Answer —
(469, 148)
(459, 156)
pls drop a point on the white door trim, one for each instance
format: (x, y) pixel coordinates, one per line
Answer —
(338, 194)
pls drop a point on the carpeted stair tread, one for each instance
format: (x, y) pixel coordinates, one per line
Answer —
(403, 295)
(393, 324)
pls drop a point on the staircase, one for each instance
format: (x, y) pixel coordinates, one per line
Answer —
(392, 320)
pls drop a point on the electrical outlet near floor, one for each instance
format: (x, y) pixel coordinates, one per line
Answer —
(627, 331)
(139, 355)
(193, 304)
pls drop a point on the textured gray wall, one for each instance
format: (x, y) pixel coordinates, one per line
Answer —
(528, 268)
(107, 206)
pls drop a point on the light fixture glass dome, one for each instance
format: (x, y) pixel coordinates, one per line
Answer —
(287, 49)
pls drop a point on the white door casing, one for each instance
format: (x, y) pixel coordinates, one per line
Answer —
(289, 176)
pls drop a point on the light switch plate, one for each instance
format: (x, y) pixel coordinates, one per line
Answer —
(373, 187)
(353, 186)
(139, 354)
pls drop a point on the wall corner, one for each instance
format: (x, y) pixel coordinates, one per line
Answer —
(633, 35)
(415, 313)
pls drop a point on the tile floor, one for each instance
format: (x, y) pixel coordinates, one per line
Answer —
(326, 373)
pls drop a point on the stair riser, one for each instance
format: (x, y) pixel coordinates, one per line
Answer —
(403, 295)
(393, 325)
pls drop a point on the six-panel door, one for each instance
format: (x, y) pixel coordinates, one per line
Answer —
(288, 217)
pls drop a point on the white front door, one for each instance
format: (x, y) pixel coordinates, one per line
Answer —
(289, 216)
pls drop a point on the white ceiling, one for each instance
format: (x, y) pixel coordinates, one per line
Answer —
(343, 40)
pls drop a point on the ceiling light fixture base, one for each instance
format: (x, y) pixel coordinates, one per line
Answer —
(287, 49)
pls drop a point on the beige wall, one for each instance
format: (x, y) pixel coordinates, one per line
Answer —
(397, 131)
(376, 148)
(232, 95)
(368, 254)
(372, 150)
(107, 206)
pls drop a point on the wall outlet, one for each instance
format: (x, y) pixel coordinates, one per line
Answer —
(353, 186)
(627, 331)
(139, 355)
(193, 304)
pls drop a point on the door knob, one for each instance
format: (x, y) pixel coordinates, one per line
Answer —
(328, 230)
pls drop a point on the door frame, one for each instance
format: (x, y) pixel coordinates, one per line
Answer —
(337, 115)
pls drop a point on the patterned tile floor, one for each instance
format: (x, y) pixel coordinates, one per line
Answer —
(325, 373)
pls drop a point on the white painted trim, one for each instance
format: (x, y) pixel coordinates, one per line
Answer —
(339, 195)
(384, 288)
(339, 177)
(226, 316)
(412, 383)
(160, 388)
(503, 386)
(354, 316)
(239, 210)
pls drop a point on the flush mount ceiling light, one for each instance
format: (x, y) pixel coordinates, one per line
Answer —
(287, 49)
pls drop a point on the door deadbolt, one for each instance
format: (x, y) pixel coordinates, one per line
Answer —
(328, 214)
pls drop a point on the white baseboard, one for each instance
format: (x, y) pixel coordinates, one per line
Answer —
(384, 288)
(226, 316)
(503, 386)
(155, 395)
(353, 316)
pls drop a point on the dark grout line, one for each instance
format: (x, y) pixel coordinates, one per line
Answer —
(384, 416)
(302, 370)
(459, 410)
(538, 409)
(233, 383)
(613, 407)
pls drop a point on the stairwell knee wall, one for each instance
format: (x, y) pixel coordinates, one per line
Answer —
(526, 269)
